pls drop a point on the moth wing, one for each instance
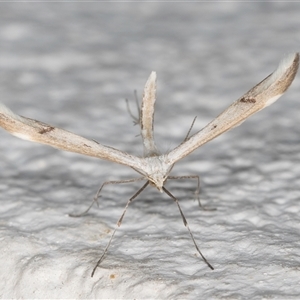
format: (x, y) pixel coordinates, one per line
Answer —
(43, 133)
(260, 96)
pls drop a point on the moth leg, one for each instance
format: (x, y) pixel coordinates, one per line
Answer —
(188, 228)
(190, 129)
(95, 199)
(187, 135)
(197, 191)
(136, 120)
(118, 225)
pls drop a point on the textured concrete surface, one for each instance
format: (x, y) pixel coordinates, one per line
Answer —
(72, 65)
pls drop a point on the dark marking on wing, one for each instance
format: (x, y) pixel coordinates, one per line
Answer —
(95, 141)
(46, 129)
(247, 100)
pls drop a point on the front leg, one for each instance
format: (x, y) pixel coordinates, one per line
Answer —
(197, 191)
(95, 199)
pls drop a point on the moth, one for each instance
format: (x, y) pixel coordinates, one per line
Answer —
(155, 167)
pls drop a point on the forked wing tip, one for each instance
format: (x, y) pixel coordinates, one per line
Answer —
(290, 60)
(290, 57)
(280, 80)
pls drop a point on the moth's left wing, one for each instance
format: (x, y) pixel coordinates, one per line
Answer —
(260, 96)
(36, 131)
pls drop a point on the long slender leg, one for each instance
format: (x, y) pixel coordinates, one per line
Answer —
(95, 199)
(118, 225)
(190, 129)
(187, 135)
(197, 192)
(187, 226)
(136, 120)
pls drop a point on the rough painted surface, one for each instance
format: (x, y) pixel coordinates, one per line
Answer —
(72, 65)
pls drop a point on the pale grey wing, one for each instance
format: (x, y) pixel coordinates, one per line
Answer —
(147, 116)
(260, 96)
(39, 132)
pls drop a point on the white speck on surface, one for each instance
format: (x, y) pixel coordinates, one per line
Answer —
(95, 55)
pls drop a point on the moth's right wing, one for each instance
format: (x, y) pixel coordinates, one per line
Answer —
(260, 96)
(36, 131)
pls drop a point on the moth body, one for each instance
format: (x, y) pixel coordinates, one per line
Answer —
(156, 169)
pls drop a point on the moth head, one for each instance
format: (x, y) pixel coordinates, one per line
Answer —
(157, 181)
